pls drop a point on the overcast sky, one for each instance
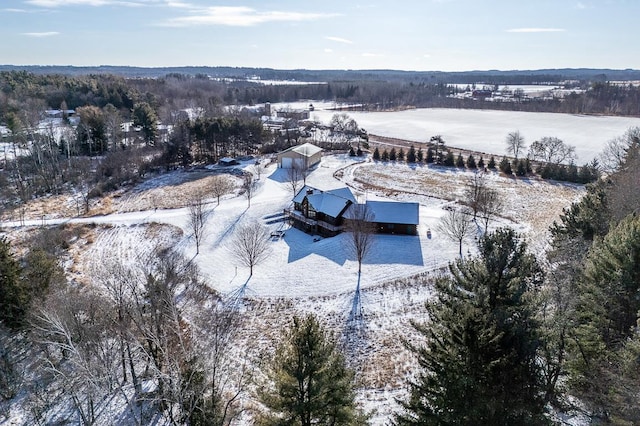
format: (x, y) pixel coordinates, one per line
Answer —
(446, 35)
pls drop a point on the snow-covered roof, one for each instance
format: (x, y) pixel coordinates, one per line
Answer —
(343, 192)
(306, 149)
(306, 190)
(394, 212)
(329, 204)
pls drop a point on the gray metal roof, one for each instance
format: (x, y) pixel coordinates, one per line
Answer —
(394, 212)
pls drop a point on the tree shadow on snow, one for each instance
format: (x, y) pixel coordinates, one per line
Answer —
(234, 299)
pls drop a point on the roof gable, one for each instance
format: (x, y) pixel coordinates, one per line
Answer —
(329, 204)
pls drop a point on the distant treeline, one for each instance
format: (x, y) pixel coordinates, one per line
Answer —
(24, 91)
(467, 77)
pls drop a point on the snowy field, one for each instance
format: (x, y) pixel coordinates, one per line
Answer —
(486, 130)
(302, 275)
(482, 130)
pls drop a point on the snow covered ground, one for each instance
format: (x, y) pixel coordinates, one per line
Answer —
(302, 275)
(486, 130)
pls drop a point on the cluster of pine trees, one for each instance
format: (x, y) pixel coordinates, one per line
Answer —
(437, 154)
(509, 336)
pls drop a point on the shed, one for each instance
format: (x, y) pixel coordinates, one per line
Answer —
(228, 161)
(302, 156)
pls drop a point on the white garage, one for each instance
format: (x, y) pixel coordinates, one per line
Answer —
(302, 156)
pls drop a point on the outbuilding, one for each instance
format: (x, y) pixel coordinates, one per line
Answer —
(302, 156)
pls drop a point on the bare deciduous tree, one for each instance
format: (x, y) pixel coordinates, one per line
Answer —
(552, 150)
(474, 189)
(258, 169)
(361, 228)
(220, 186)
(457, 226)
(490, 205)
(250, 245)
(198, 217)
(248, 186)
(295, 176)
(614, 153)
(515, 143)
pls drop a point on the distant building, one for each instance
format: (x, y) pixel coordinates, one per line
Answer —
(293, 114)
(302, 156)
(227, 161)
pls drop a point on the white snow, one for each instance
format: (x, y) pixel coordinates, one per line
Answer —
(486, 130)
(312, 274)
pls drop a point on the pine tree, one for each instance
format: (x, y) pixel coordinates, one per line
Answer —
(352, 153)
(460, 161)
(607, 321)
(471, 162)
(491, 165)
(505, 166)
(411, 155)
(430, 157)
(401, 155)
(14, 297)
(311, 382)
(449, 160)
(420, 155)
(481, 163)
(479, 357)
(521, 167)
(376, 154)
(393, 155)
(385, 155)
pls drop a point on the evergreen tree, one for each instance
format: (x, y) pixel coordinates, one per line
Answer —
(471, 162)
(401, 155)
(14, 297)
(420, 155)
(460, 161)
(481, 163)
(607, 325)
(430, 157)
(352, 153)
(393, 155)
(385, 155)
(491, 165)
(411, 155)
(479, 357)
(449, 159)
(505, 166)
(311, 382)
(359, 151)
(376, 154)
(521, 167)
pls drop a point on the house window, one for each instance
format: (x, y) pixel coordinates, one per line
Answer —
(311, 214)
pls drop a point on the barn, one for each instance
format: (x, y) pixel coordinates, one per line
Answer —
(302, 156)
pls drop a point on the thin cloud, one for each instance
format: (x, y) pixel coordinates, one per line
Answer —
(42, 34)
(372, 55)
(15, 10)
(536, 30)
(339, 39)
(62, 3)
(179, 4)
(240, 16)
